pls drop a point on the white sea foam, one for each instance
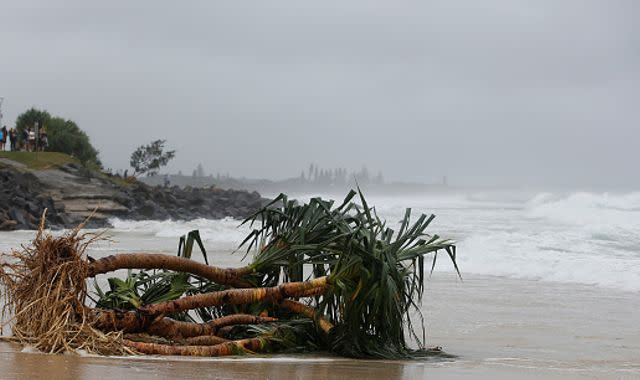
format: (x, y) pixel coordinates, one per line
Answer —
(622, 210)
(586, 238)
(224, 231)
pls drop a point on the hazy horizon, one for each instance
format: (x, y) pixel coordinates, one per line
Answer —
(496, 92)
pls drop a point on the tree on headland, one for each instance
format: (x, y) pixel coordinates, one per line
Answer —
(147, 159)
(63, 135)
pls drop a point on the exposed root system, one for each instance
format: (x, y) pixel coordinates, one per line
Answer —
(44, 291)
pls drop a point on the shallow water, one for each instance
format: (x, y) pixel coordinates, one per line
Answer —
(498, 327)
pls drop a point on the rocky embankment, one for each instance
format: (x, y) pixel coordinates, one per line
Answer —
(71, 194)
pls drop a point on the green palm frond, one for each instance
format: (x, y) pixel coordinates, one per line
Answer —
(376, 274)
(141, 288)
(376, 277)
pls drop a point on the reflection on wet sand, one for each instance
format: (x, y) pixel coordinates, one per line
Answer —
(27, 365)
(499, 328)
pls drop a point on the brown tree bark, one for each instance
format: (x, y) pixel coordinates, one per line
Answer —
(135, 322)
(203, 340)
(234, 297)
(223, 276)
(170, 328)
(125, 321)
(307, 311)
(222, 349)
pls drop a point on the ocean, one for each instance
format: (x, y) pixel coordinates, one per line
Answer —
(583, 238)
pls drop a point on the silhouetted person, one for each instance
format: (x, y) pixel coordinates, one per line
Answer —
(3, 137)
(25, 139)
(13, 139)
(31, 138)
(43, 141)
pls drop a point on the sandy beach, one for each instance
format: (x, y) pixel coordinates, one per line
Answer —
(498, 328)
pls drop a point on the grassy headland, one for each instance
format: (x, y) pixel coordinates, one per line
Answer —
(40, 160)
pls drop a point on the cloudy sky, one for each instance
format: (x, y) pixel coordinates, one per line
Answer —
(543, 92)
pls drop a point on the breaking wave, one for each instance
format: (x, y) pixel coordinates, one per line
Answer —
(585, 238)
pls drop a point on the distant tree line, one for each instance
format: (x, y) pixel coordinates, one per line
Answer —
(338, 176)
(315, 175)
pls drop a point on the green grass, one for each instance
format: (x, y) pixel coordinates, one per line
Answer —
(39, 160)
(54, 160)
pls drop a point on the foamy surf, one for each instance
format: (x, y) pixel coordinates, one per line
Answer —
(218, 230)
(585, 238)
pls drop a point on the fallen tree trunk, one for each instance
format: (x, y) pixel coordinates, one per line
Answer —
(171, 328)
(309, 312)
(223, 276)
(125, 321)
(135, 322)
(235, 297)
(203, 340)
(239, 319)
(313, 292)
(222, 349)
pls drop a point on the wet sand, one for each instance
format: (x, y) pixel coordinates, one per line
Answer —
(499, 328)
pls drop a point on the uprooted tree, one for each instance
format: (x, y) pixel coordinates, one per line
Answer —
(148, 159)
(323, 277)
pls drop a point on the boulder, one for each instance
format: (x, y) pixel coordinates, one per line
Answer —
(19, 217)
(8, 225)
(148, 209)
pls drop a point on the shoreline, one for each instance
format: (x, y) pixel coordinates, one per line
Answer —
(498, 328)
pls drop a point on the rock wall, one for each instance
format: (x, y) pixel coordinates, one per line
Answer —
(70, 195)
(159, 203)
(22, 201)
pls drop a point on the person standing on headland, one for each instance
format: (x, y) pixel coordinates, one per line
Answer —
(32, 140)
(24, 143)
(3, 138)
(43, 141)
(13, 139)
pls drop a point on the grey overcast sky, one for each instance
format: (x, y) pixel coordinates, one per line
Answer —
(541, 92)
